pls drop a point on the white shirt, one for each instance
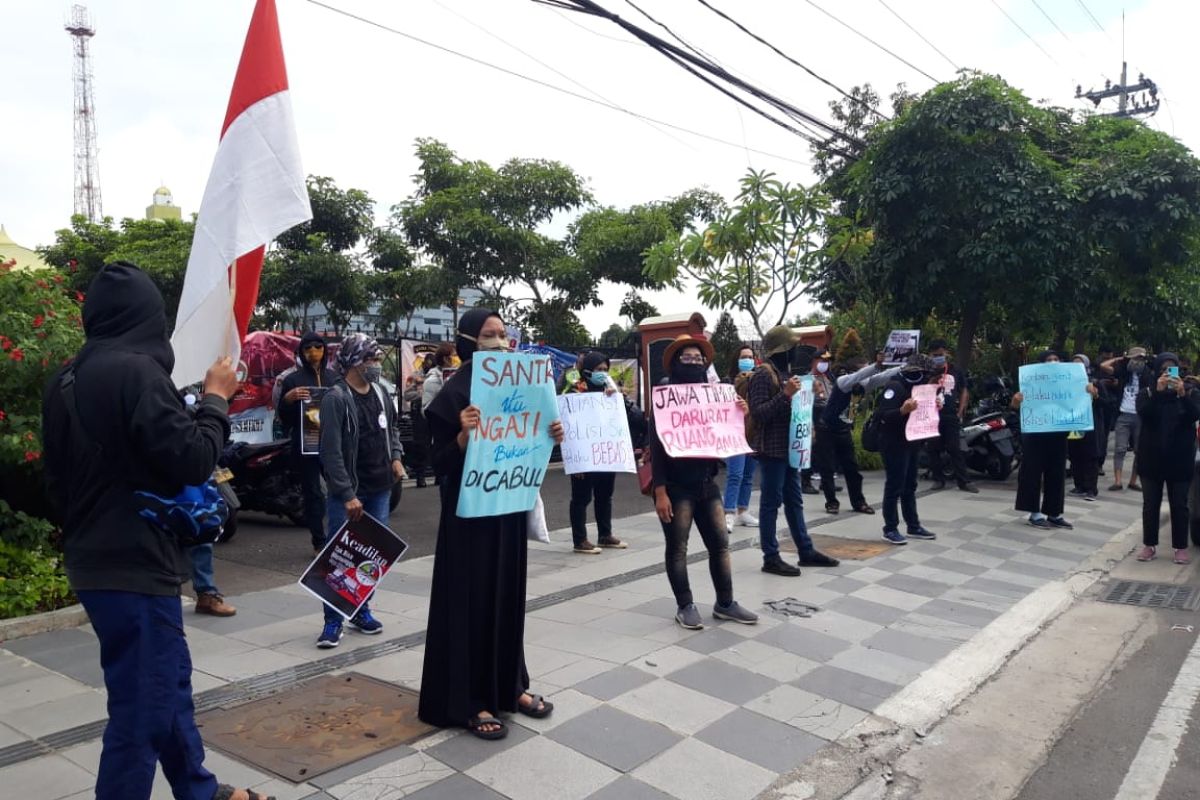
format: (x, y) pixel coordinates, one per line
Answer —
(1129, 398)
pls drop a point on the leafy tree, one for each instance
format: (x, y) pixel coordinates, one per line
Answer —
(726, 341)
(755, 256)
(851, 349)
(342, 217)
(555, 322)
(613, 337)
(635, 309)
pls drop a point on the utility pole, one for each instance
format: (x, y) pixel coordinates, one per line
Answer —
(1129, 102)
(87, 165)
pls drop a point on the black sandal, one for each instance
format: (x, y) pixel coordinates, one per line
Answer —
(532, 709)
(225, 792)
(475, 726)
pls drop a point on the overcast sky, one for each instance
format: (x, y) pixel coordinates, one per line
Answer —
(163, 71)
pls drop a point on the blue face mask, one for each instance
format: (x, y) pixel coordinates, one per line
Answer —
(939, 360)
(745, 365)
(599, 379)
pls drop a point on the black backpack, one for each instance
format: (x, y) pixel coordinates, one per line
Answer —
(871, 432)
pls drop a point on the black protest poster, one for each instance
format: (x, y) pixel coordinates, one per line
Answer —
(352, 564)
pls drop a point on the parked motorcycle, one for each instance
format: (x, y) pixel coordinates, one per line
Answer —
(265, 479)
(990, 441)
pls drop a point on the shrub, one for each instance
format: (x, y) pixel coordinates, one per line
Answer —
(31, 581)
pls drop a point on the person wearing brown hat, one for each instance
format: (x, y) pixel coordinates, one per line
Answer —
(770, 392)
(1132, 374)
(899, 454)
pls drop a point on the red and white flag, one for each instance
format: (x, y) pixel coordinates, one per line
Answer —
(255, 192)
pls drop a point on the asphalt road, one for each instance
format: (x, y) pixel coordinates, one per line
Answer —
(269, 551)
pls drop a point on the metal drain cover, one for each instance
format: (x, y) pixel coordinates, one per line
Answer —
(316, 727)
(1153, 595)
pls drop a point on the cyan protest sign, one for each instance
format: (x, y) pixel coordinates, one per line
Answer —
(508, 453)
(1055, 398)
(800, 432)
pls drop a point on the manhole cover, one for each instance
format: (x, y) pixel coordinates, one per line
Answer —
(316, 727)
(1153, 595)
(841, 547)
(791, 607)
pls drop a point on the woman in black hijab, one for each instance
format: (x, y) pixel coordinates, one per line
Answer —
(474, 643)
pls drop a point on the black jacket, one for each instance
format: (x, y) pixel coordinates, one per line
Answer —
(1167, 443)
(302, 375)
(138, 436)
(893, 422)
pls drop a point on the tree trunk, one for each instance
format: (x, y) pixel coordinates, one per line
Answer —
(966, 333)
(1080, 342)
(1060, 337)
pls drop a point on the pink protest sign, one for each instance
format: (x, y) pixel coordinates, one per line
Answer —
(923, 422)
(700, 420)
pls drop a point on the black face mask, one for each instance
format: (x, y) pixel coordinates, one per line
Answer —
(688, 373)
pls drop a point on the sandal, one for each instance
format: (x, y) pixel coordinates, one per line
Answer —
(864, 509)
(832, 508)
(225, 792)
(538, 708)
(475, 726)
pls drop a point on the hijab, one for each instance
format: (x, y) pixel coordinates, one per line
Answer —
(456, 391)
(470, 324)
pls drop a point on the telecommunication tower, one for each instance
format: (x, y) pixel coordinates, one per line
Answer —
(87, 165)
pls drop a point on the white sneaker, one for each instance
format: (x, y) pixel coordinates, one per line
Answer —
(747, 520)
(730, 521)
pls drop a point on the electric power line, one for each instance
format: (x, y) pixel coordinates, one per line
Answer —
(1095, 21)
(936, 49)
(1017, 25)
(1050, 20)
(672, 33)
(544, 84)
(863, 36)
(788, 58)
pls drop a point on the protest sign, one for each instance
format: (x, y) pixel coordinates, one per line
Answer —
(901, 345)
(508, 453)
(595, 433)
(352, 564)
(1055, 398)
(310, 421)
(800, 432)
(923, 421)
(699, 420)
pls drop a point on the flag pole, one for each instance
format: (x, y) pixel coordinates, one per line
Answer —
(229, 343)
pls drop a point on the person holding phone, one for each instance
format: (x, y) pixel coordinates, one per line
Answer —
(1169, 409)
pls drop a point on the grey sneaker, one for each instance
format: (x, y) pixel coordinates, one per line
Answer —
(734, 613)
(689, 617)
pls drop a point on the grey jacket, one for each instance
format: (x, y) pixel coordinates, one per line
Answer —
(339, 439)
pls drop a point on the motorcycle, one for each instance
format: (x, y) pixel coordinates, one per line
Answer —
(990, 441)
(265, 479)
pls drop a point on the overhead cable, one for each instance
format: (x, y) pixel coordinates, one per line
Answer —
(906, 23)
(863, 36)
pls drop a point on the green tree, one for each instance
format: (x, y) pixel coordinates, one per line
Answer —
(756, 256)
(635, 309)
(613, 337)
(726, 341)
(851, 348)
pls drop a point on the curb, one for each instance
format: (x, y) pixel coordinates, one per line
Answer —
(59, 620)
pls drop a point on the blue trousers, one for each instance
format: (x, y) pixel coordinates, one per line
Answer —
(739, 482)
(203, 581)
(781, 486)
(374, 504)
(151, 718)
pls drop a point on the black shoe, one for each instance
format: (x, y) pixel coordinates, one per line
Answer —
(919, 532)
(818, 559)
(777, 566)
(808, 488)
(421, 484)
(968, 487)
(1078, 492)
(1059, 522)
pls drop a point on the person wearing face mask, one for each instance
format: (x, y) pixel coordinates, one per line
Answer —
(474, 666)
(1130, 371)
(952, 385)
(899, 454)
(770, 392)
(820, 462)
(684, 492)
(361, 455)
(1169, 408)
(1085, 449)
(586, 486)
(739, 470)
(1042, 477)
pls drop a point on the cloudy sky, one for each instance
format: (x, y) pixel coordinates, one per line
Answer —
(163, 72)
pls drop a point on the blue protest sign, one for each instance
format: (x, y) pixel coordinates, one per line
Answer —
(1055, 398)
(800, 431)
(508, 453)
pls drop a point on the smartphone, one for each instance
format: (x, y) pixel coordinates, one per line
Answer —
(1173, 372)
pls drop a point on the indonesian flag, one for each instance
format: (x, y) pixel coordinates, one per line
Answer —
(255, 192)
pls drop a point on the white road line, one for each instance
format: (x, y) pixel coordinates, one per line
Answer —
(1156, 756)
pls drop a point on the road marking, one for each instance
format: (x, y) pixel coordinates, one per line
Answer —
(1156, 756)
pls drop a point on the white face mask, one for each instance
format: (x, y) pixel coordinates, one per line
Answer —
(822, 366)
(488, 343)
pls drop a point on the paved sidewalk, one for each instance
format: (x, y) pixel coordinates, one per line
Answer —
(644, 709)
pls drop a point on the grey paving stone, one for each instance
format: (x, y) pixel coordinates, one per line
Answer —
(843, 585)
(723, 680)
(954, 565)
(866, 610)
(627, 788)
(844, 686)
(465, 751)
(660, 607)
(285, 605)
(245, 619)
(997, 587)
(918, 648)
(612, 737)
(794, 638)
(542, 768)
(1025, 535)
(343, 774)
(761, 740)
(1035, 571)
(81, 662)
(35, 647)
(914, 585)
(710, 640)
(616, 681)
(991, 550)
(962, 613)
(456, 787)
(694, 770)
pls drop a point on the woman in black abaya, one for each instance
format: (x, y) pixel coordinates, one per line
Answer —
(474, 645)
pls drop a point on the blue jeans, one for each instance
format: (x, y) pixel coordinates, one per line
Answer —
(374, 504)
(781, 486)
(151, 718)
(201, 557)
(900, 487)
(739, 482)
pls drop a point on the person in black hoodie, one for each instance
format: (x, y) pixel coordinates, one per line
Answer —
(134, 434)
(1169, 410)
(312, 371)
(899, 454)
(586, 485)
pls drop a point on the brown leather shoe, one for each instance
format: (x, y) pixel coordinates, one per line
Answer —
(214, 605)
